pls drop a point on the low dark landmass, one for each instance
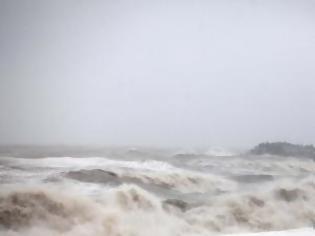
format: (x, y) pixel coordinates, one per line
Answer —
(284, 149)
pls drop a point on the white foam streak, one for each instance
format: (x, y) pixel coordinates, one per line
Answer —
(294, 232)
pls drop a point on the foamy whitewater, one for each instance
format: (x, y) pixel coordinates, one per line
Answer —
(141, 192)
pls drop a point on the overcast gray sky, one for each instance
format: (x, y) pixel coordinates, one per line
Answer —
(184, 73)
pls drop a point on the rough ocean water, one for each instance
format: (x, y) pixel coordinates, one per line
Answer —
(140, 192)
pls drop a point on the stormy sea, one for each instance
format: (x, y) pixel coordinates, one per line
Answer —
(123, 191)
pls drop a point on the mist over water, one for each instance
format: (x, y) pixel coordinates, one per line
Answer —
(93, 92)
(133, 191)
(167, 73)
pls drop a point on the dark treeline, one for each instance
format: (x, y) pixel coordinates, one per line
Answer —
(284, 149)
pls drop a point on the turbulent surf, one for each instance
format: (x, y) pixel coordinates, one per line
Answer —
(154, 192)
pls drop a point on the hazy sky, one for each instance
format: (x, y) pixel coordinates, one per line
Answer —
(184, 73)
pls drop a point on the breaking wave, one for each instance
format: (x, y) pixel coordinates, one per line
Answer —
(182, 181)
(130, 210)
(283, 206)
(181, 195)
(127, 210)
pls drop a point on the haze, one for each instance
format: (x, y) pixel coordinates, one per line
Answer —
(165, 73)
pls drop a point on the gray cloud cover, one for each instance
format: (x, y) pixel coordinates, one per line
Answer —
(186, 73)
